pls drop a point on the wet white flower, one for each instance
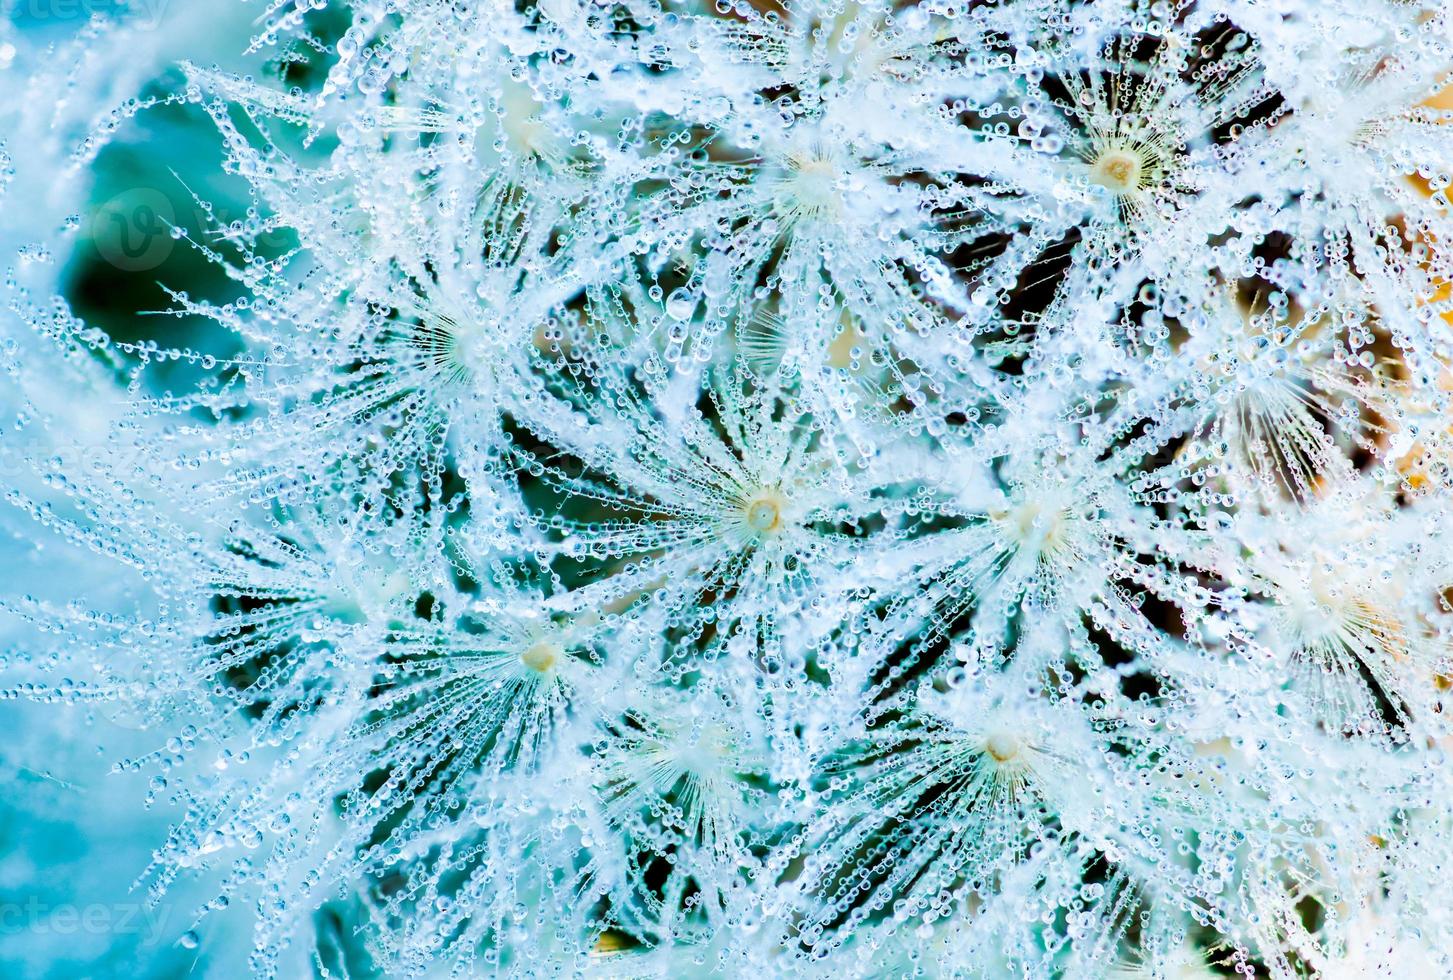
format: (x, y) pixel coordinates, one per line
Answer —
(828, 488)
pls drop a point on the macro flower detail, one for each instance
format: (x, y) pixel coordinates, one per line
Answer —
(768, 488)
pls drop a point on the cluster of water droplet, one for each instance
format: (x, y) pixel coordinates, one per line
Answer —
(810, 488)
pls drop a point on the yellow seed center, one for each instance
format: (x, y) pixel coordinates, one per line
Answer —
(764, 512)
(1024, 517)
(764, 516)
(1032, 523)
(813, 186)
(1002, 746)
(542, 656)
(1119, 171)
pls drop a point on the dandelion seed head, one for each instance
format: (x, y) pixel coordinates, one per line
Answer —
(757, 489)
